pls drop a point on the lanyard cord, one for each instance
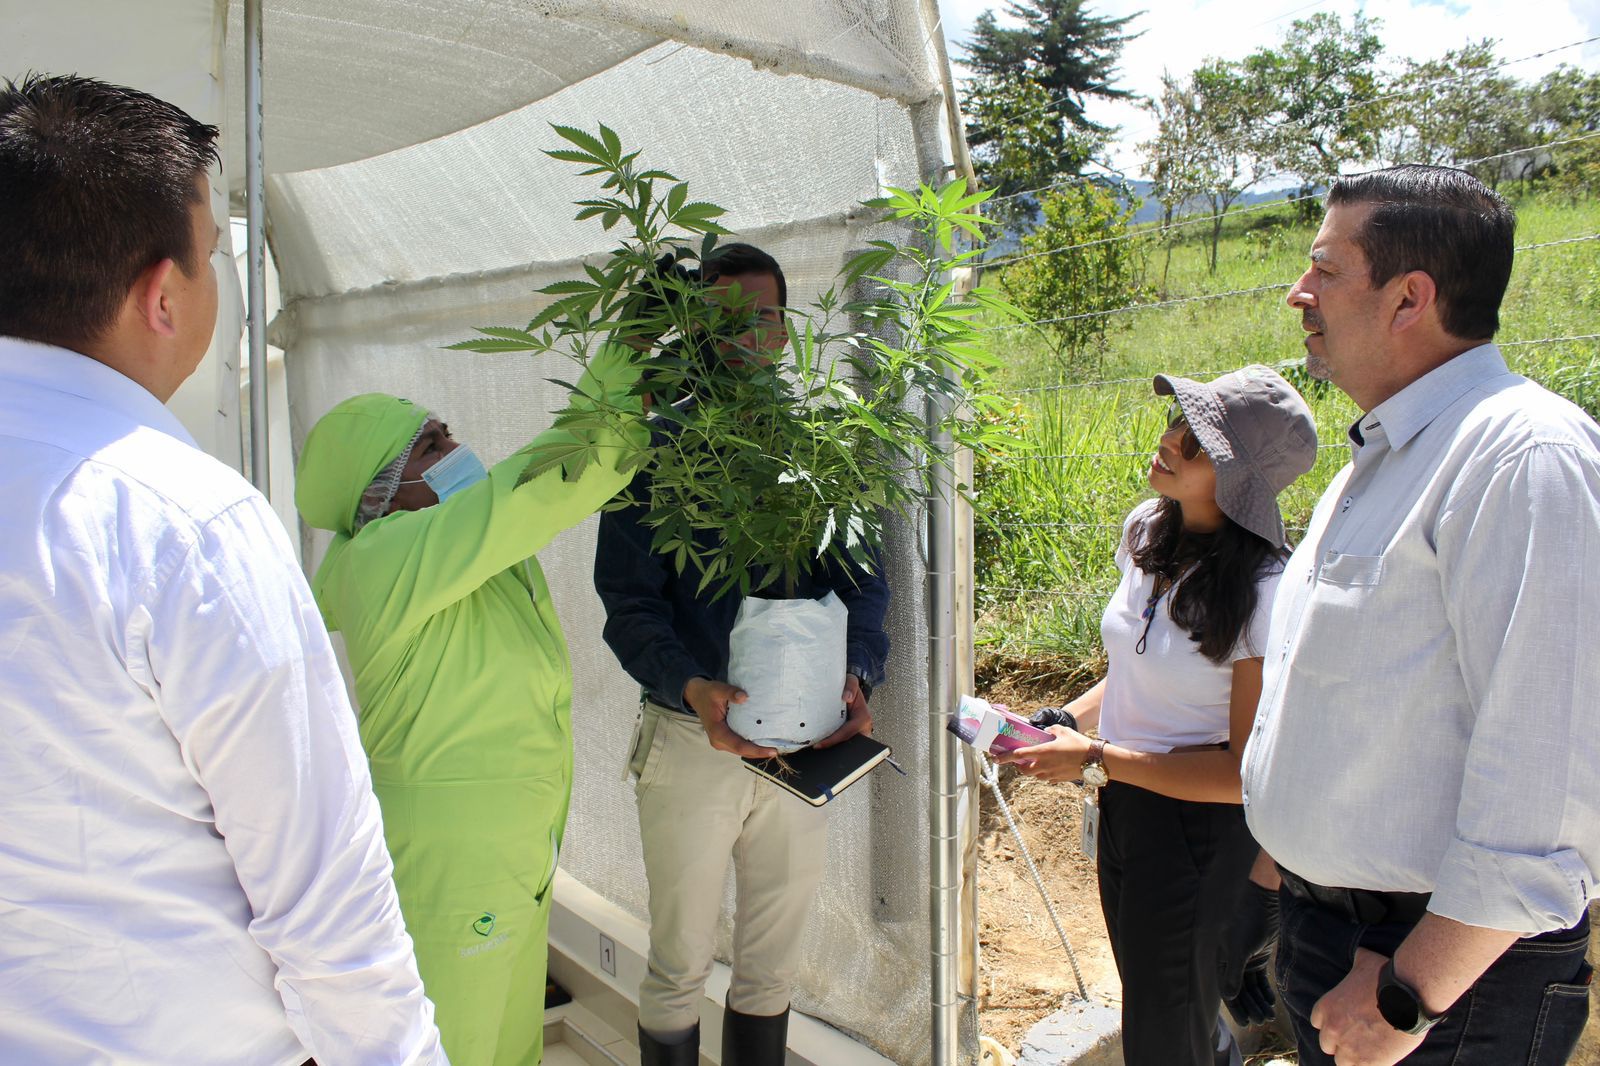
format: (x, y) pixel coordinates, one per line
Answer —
(1163, 585)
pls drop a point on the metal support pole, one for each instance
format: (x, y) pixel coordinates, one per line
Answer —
(944, 844)
(255, 180)
(929, 119)
(944, 899)
(947, 85)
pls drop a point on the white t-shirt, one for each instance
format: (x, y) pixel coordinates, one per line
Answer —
(1171, 696)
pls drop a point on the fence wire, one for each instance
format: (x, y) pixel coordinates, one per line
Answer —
(1138, 307)
(1231, 292)
(1005, 526)
(1198, 218)
(1078, 594)
(1066, 594)
(1422, 87)
(1144, 379)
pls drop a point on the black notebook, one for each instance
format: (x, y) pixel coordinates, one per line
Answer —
(817, 775)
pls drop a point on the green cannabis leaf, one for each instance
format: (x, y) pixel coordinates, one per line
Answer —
(757, 471)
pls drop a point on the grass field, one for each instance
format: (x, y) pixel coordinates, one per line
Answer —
(1048, 518)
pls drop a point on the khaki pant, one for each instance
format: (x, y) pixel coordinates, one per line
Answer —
(697, 808)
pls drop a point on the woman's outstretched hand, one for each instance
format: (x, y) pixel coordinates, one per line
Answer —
(1059, 760)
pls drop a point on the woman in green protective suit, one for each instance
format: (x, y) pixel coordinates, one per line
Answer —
(463, 681)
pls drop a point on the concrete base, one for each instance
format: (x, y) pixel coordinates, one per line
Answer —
(1082, 1033)
(576, 1036)
(597, 953)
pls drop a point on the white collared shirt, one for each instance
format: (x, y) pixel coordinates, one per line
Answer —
(1430, 714)
(192, 865)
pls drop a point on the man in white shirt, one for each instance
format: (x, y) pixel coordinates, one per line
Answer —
(192, 866)
(1422, 767)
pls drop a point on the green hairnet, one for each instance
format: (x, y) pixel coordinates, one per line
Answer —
(345, 450)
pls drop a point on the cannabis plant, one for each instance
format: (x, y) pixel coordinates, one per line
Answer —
(758, 470)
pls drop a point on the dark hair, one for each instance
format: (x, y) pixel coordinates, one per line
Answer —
(726, 261)
(1445, 223)
(96, 185)
(736, 260)
(1217, 596)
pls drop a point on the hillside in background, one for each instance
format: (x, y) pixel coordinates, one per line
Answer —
(1149, 210)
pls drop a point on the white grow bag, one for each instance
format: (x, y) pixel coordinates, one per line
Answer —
(789, 657)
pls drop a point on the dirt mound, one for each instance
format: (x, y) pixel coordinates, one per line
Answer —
(1026, 973)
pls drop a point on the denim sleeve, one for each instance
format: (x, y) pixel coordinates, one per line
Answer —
(866, 596)
(633, 585)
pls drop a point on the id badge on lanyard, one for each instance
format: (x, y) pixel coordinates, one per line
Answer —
(1090, 843)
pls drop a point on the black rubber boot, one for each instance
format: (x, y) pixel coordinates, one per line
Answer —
(754, 1040)
(653, 1052)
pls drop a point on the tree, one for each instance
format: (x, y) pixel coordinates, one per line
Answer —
(1030, 146)
(1027, 99)
(1205, 144)
(1070, 52)
(1319, 85)
(1173, 157)
(1566, 103)
(1097, 271)
(1453, 109)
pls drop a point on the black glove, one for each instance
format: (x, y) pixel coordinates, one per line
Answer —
(1049, 716)
(1242, 963)
(1252, 1004)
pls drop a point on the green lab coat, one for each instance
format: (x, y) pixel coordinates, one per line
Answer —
(464, 686)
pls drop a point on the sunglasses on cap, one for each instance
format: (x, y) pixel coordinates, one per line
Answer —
(1190, 445)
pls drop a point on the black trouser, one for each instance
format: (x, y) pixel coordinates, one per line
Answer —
(1171, 873)
(1527, 1009)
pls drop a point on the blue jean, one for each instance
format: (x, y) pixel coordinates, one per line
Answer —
(1528, 1008)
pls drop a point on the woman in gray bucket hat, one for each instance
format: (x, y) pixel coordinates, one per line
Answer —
(1184, 636)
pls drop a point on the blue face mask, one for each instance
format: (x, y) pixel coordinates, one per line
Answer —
(456, 471)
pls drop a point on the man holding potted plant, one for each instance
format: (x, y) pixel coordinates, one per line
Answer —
(699, 805)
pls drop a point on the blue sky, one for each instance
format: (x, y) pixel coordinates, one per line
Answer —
(1181, 33)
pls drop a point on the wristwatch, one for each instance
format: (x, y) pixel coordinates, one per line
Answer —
(1400, 1005)
(1093, 772)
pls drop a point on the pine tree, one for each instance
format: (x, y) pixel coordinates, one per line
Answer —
(1067, 50)
(1026, 101)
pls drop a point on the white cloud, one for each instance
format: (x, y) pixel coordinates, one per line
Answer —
(1178, 36)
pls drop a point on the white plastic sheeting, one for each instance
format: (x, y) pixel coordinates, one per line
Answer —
(409, 201)
(385, 260)
(172, 48)
(353, 79)
(774, 151)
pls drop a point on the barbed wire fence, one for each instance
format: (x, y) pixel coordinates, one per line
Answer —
(1204, 217)
(1081, 596)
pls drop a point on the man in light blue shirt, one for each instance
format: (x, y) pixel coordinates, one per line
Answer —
(1422, 767)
